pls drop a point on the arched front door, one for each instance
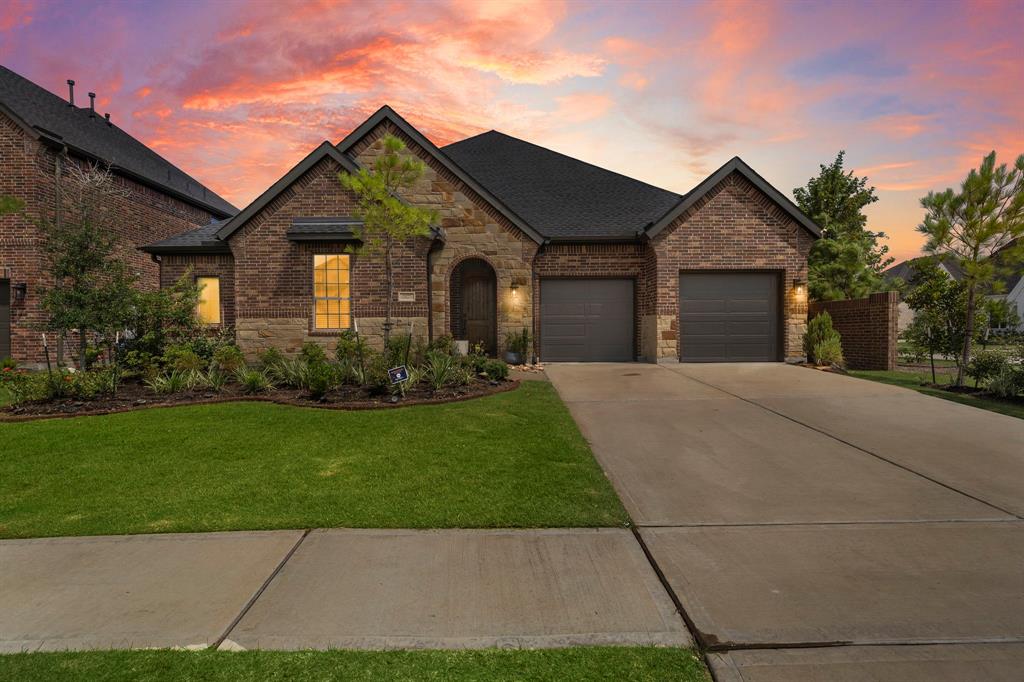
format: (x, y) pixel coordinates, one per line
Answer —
(474, 304)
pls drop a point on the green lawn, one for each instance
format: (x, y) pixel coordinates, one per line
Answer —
(914, 380)
(515, 459)
(582, 663)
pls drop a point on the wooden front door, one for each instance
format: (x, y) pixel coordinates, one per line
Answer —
(479, 302)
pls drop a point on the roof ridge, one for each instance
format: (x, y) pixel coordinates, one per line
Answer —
(565, 156)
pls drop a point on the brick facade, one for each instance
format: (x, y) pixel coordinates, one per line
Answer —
(35, 174)
(733, 227)
(868, 327)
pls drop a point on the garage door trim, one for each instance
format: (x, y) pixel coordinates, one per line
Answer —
(779, 301)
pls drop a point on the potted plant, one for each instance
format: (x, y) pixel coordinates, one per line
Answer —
(516, 346)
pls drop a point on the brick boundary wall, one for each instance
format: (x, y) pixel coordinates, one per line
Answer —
(868, 327)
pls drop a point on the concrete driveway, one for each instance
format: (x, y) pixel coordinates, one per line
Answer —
(811, 525)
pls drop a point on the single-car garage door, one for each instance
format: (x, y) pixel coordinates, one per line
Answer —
(586, 320)
(729, 317)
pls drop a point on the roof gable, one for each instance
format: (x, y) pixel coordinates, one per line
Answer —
(562, 197)
(50, 118)
(386, 113)
(324, 151)
(737, 165)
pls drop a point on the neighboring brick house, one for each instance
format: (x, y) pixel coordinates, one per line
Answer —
(597, 265)
(41, 135)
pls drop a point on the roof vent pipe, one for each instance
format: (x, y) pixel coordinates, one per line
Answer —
(92, 105)
(71, 93)
(107, 116)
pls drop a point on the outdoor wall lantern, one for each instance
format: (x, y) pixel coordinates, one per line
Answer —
(20, 292)
(515, 289)
(800, 289)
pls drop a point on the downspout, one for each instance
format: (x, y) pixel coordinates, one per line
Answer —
(535, 300)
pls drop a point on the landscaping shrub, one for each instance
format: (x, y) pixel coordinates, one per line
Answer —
(443, 344)
(829, 352)
(228, 358)
(167, 383)
(216, 380)
(270, 359)
(439, 370)
(496, 370)
(183, 359)
(518, 342)
(321, 377)
(313, 352)
(819, 331)
(252, 381)
(8, 363)
(291, 372)
(477, 358)
(1008, 383)
(985, 365)
(352, 354)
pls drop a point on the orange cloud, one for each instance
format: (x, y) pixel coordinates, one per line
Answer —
(634, 81)
(583, 106)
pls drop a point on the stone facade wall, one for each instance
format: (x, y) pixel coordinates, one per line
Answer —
(274, 276)
(34, 173)
(172, 267)
(734, 227)
(868, 326)
(473, 229)
(597, 261)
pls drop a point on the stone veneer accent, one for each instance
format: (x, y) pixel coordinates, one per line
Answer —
(868, 326)
(473, 229)
(288, 334)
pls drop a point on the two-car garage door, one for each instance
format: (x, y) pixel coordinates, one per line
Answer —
(723, 317)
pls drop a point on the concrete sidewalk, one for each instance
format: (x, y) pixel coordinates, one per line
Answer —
(364, 589)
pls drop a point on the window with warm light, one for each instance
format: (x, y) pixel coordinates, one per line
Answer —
(209, 299)
(332, 293)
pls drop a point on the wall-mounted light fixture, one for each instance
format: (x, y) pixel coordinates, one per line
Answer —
(20, 292)
(515, 289)
(800, 289)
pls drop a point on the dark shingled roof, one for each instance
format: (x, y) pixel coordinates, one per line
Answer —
(559, 196)
(51, 117)
(200, 240)
(906, 270)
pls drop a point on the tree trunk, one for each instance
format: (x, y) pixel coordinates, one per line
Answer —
(391, 284)
(968, 334)
(83, 346)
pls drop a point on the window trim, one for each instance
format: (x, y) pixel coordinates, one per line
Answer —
(220, 301)
(331, 330)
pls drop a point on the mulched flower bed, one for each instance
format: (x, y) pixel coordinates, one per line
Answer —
(136, 396)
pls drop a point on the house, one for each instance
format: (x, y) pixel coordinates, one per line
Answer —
(1010, 278)
(41, 135)
(600, 267)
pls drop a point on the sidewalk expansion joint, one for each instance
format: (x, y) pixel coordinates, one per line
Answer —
(266, 583)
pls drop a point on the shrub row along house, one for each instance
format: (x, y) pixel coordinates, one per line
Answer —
(41, 136)
(597, 266)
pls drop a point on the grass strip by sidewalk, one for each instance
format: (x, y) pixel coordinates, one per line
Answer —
(913, 380)
(510, 460)
(554, 665)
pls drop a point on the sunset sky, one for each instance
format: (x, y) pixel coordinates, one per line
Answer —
(235, 93)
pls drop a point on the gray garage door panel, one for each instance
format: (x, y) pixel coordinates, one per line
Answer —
(586, 320)
(729, 317)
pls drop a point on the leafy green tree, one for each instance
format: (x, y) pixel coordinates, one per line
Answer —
(388, 220)
(93, 287)
(847, 262)
(984, 217)
(939, 304)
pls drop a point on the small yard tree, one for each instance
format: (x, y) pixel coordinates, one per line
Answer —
(985, 216)
(388, 220)
(847, 261)
(92, 287)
